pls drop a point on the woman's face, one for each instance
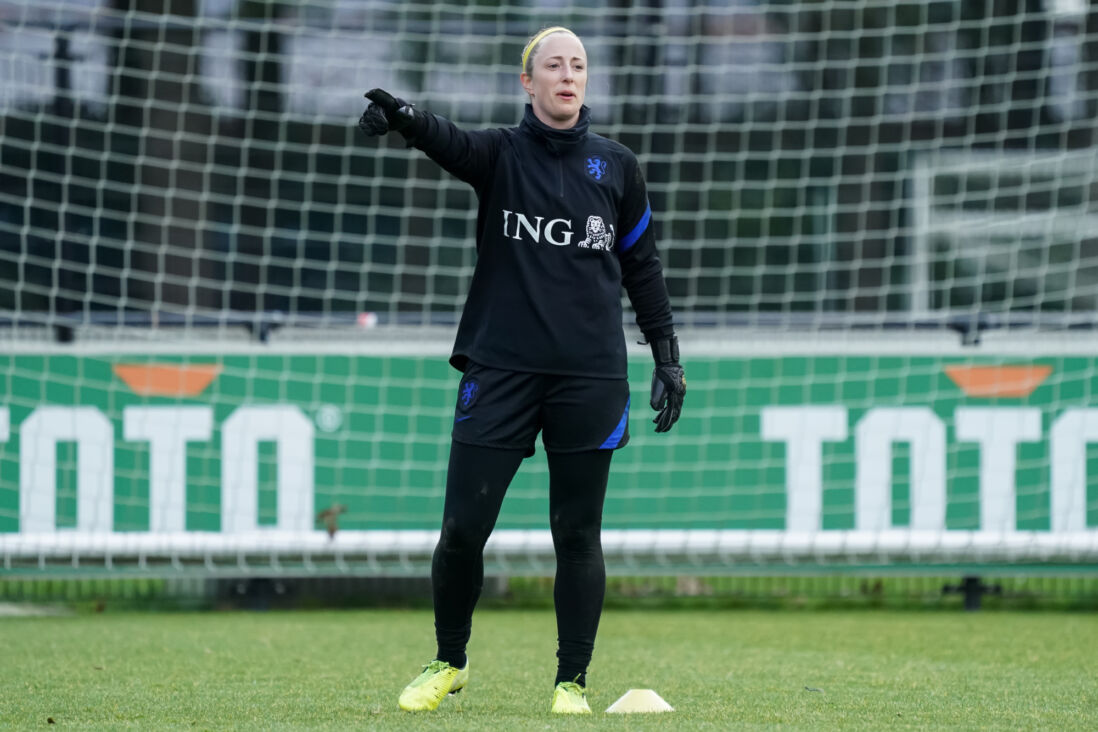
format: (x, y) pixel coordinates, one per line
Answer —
(557, 81)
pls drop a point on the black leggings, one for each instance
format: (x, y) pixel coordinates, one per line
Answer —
(475, 485)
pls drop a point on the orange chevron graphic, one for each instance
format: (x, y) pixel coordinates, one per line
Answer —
(166, 379)
(998, 381)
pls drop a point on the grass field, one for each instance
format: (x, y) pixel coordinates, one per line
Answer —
(720, 669)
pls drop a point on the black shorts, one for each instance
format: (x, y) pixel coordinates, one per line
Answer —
(506, 409)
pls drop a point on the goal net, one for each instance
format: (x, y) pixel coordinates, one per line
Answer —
(225, 313)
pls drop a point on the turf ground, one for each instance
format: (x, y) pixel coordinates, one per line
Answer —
(719, 669)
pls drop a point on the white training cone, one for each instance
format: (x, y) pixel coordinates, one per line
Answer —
(639, 700)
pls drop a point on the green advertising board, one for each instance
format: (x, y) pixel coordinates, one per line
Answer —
(223, 443)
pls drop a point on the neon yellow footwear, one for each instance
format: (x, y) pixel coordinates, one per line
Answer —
(428, 689)
(570, 698)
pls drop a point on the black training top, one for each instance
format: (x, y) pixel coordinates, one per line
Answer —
(563, 222)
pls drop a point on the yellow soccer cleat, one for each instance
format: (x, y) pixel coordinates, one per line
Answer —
(570, 698)
(428, 689)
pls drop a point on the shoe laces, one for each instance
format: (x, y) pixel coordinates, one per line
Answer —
(571, 687)
(430, 670)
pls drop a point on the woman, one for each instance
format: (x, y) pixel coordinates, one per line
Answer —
(563, 223)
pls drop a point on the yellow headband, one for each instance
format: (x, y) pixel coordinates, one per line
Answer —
(538, 38)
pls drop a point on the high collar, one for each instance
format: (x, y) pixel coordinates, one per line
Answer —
(558, 142)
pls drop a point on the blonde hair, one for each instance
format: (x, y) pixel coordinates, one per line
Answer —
(535, 41)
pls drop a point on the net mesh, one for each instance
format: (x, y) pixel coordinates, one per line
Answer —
(846, 181)
(205, 160)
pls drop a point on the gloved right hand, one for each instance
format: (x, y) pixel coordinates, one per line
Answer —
(668, 382)
(385, 113)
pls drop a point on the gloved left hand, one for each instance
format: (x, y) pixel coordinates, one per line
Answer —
(385, 113)
(668, 382)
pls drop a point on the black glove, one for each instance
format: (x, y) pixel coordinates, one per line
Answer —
(668, 382)
(385, 113)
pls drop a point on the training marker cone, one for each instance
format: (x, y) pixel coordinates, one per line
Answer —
(639, 700)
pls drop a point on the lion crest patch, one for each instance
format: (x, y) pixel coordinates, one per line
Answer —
(598, 237)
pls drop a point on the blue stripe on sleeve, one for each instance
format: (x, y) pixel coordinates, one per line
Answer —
(642, 226)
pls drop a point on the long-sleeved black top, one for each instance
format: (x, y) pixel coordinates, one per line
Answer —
(563, 223)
